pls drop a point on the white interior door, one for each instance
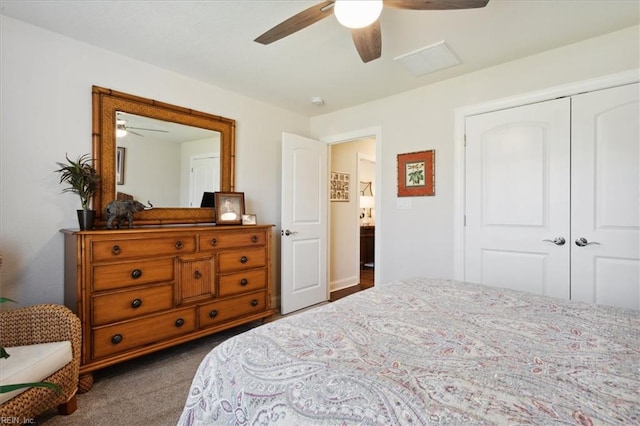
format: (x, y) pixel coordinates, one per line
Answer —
(605, 197)
(304, 223)
(517, 198)
(204, 177)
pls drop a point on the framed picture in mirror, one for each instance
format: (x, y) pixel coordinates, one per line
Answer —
(229, 207)
(120, 151)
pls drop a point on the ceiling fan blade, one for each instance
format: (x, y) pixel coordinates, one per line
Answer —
(148, 130)
(297, 22)
(368, 41)
(435, 4)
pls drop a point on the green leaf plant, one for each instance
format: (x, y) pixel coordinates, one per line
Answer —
(12, 387)
(82, 178)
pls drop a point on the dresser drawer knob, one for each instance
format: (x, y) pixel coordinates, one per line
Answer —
(116, 250)
(179, 322)
(244, 259)
(213, 313)
(244, 282)
(254, 239)
(136, 303)
(136, 273)
(254, 302)
(179, 245)
(116, 339)
(197, 275)
(214, 242)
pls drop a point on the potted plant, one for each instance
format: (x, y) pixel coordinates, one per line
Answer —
(83, 180)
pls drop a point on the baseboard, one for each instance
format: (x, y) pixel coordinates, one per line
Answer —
(345, 291)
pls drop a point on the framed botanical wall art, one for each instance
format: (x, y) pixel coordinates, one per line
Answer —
(340, 186)
(229, 207)
(416, 174)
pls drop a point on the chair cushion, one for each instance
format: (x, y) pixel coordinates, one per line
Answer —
(32, 363)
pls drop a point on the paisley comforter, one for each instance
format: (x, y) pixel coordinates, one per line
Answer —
(425, 351)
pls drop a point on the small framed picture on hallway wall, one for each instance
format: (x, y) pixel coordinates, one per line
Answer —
(340, 185)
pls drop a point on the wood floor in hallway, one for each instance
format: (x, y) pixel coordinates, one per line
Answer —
(366, 281)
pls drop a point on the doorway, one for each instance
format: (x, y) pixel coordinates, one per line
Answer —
(352, 224)
(367, 189)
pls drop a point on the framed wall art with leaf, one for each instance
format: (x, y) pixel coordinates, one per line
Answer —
(416, 174)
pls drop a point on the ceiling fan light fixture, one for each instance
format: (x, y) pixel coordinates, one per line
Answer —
(357, 14)
(121, 130)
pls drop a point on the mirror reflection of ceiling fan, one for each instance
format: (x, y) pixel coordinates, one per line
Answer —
(362, 18)
(122, 129)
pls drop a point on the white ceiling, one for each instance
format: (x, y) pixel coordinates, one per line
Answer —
(212, 41)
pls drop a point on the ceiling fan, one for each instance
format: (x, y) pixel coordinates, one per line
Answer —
(122, 129)
(366, 34)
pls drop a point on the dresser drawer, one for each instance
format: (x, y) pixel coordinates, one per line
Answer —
(242, 282)
(120, 337)
(102, 250)
(217, 312)
(222, 240)
(123, 305)
(121, 275)
(241, 259)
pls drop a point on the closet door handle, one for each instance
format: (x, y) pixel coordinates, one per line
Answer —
(559, 241)
(582, 242)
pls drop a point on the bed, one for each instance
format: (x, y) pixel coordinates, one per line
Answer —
(426, 351)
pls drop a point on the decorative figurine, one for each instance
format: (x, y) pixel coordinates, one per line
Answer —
(118, 211)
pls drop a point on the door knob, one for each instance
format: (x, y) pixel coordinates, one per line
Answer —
(287, 232)
(559, 241)
(581, 242)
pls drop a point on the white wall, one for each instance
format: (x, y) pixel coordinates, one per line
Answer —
(163, 171)
(46, 84)
(419, 241)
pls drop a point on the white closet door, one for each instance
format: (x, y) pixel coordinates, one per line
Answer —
(605, 197)
(517, 198)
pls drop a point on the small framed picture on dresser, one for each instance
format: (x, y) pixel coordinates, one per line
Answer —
(249, 219)
(229, 207)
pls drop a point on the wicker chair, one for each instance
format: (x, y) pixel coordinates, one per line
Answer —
(43, 324)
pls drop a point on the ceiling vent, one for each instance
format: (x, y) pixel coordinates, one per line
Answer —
(432, 58)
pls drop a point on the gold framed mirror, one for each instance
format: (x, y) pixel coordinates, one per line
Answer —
(108, 107)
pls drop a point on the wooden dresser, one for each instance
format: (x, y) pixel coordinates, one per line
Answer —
(367, 246)
(144, 289)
